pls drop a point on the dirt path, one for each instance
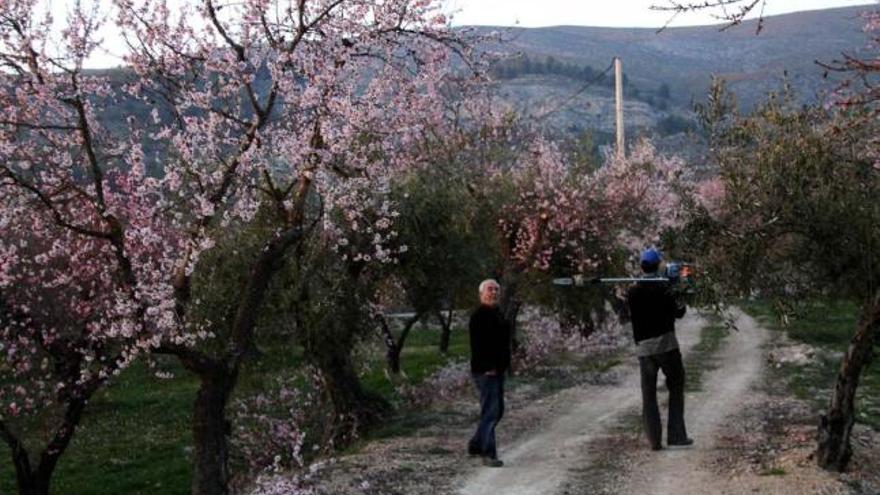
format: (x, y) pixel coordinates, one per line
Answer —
(724, 391)
(540, 463)
(752, 436)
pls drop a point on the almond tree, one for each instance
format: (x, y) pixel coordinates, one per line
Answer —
(545, 214)
(258, 106)
(589, 222)
(83, 251)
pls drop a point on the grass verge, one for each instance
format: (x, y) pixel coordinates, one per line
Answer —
(827, 326)
(135, 436)
(702, 357)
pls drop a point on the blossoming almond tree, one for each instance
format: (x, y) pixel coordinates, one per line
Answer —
(82, 249)
(584, 223)
(255, 106)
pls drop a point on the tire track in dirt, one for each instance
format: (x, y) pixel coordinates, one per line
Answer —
(540, 463)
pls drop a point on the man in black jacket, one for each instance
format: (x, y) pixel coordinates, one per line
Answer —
(490, 359)
(654, 309)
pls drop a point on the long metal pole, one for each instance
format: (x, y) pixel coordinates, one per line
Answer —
(579, 281)
(618, 94)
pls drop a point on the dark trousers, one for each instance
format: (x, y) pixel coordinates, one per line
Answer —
(491, 388)
(673, 370)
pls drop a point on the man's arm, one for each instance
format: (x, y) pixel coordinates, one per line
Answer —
(635, 312)
(481, 346)
(680, 310)
(503, 347)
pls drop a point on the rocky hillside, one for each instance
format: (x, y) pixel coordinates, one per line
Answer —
(666, 71)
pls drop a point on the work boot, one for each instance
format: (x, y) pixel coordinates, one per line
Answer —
(684, 442)
(492, 462)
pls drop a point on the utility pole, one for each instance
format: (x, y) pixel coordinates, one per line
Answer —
(618, 94)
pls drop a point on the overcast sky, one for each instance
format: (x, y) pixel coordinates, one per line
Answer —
(527, 13)
(620, 13)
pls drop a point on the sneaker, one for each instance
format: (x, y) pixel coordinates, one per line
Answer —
(684, 442)
(492, 462)
(656, 447)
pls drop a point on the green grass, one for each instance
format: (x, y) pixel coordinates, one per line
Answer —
(827, 326)
(133, 439)
(703, 355)
(568, 369)
(777, 471)
(592, 364)
(420, 358)
(135, 435)
(629, 423)
(407, 422)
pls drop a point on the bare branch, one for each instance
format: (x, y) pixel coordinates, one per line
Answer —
(731, 18)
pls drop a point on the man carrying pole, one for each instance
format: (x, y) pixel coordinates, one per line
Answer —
(654, 309)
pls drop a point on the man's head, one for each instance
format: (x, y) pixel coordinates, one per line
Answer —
(489, 292)
(650, 260)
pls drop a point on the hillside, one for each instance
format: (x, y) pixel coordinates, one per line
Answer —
(681, 59)
(545, 69)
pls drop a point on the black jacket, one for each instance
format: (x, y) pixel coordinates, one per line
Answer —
(653, 310)
(490, 340)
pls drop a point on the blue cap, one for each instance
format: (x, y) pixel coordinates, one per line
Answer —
(650, 256)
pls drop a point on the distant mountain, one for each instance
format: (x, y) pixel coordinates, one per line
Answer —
(666, 71)
(548, 69)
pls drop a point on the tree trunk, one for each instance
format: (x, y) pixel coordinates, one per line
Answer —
(219, 375)
(395, 346)
(37, 481)
(354, 408)
(392, 357)
(328, 348)
(32, 485)
(390, 344)
(445, 329)
(24, 477)
(35, 487)
(834, 450)
(210, 434)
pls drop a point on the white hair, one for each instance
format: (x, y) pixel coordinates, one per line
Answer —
(486, 283)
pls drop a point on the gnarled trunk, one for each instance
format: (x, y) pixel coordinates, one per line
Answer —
(26, 480)
(36, 481)
(219, 375)
(329, 350)
(834, 450)
(354, 408)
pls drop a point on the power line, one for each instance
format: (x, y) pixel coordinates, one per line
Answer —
(577, 93)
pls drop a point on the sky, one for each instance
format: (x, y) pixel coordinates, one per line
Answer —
(620, 13)
(529, 13)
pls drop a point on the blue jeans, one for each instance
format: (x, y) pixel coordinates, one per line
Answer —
(491, 388)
